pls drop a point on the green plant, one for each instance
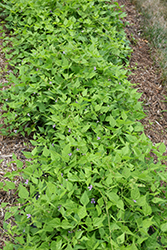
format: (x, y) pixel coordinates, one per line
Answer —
(91, 183)
(56, 58)
(108, 201)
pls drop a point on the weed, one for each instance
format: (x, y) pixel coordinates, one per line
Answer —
(91, 183)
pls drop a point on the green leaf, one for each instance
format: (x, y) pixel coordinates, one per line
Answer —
(46, 152)
(135, 193)
(121, 239)
(97, 107)
(65, 224)
(109, 180)
(153, 187)
(51, 187)
(73, 178)
(126, 230)
(84, 199)
(137, 151)
(147, 223)
(9, 185)
(164, 227)
(98, 221)
(85, 128)
(34, 180)
(3, 204)
(100, 202)
(56, 245)
(82, 212)
(162, 148)
(142, 200)
(68, 247)
(124, 116)
(84, 93)
(23, 193)
(27, 154)
(133, 247)
(99, 211)
(7, 215)
(1, 161)
(113, 197)
(55, 223)
(34, 151)
(19, 163)
(78, 234)
(114, 226)
(14, 157)
(111, 121)
(120, 204)
(146, 209)
(126, 172)
(65, 153)
(41, 107)
(90, 75)
(125, 150)
(158, 200)
(54, 155)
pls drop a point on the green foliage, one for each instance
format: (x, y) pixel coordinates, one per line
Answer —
(92, 183)
(55, 54)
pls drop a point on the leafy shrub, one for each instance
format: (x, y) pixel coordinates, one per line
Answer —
(92, 183)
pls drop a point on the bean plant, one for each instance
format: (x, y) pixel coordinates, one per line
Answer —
(91, 181)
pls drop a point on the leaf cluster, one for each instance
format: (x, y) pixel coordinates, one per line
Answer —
(92, 183)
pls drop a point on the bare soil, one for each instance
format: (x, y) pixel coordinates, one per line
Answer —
(144, 72)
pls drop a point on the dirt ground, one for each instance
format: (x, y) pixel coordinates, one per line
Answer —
(145, 72)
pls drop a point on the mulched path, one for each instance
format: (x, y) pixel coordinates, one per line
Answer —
(147, 75)
(148, 82)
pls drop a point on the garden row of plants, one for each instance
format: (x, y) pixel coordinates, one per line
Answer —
(91, 182)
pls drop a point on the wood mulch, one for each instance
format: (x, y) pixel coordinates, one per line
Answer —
(147, 75)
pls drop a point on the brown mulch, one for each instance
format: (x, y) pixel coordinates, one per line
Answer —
(147, 75)
(148, 78)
